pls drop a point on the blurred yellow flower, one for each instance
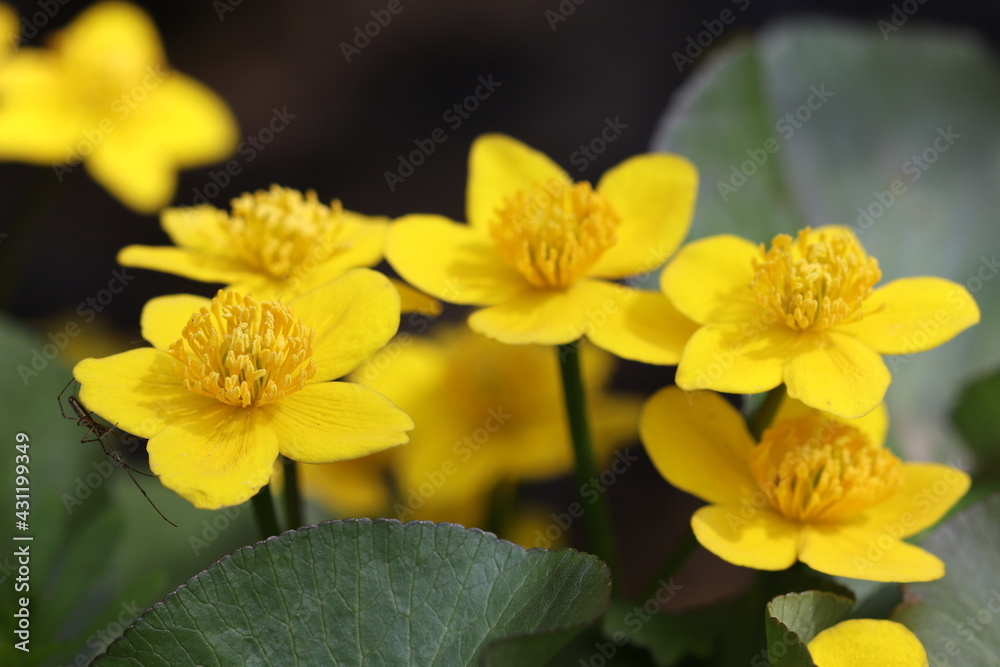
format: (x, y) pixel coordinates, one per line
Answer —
(804, 312)
(484, 417)
(10, 34)
(273, 243)
(540, 252)
(103, 94)
(225, 390)
(866, 641)
(818, 488)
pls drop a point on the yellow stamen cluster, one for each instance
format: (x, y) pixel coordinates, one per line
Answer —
(554, 231)
(244, 353)
(814, 469)
(815, 281)
(278, 231)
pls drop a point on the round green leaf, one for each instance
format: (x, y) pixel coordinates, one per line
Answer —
(378, 592)
(957, 618)
(793, 620)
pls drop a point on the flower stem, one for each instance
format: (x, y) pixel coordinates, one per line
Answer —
(764, 415)
(596, 516)
(293, 501)
(263, 509)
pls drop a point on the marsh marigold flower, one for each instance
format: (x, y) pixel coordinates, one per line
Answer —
(540, 251)
(817, 488)
(103, 93)
(483, 415)
(866, 641)
(271, 243)
(230, 383)
(805, 312)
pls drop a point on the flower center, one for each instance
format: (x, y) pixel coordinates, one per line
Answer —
(816, 281)
(278, 231)
(244, 353)
(814, 469)
(554, 231)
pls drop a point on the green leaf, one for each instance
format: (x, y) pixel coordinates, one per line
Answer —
(379, 591)
(825, 117)
(976, 420)
(793, 620)
(668, 637)
(957, 618)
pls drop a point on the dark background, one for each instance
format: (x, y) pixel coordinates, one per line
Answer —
(606, 60)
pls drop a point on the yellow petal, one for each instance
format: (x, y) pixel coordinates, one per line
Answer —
(654, 196)
(709, 280)
(10, 35)
(701, 445)
(112, 32)
(353, 316)
(199, 228)
(164, 317)
(735, 358)
(360, 243)
(645, 328)
(914, 314)
(451, 261)
(867, 641)
(139, 177)
(333, 421)
(182, 262)
(137, 391)
(39, 121)
(875, 424)
(414, 301)
(749, 537)
(859, 554)
(219, 456)
(549, 317)
(836, 373)
(499, 166)
(929, 490)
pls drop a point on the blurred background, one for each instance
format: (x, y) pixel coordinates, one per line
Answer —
(348, 107)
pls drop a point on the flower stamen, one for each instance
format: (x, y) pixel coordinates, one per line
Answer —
(554, 231)
(814, 282)
(244, 353)
(814, 469)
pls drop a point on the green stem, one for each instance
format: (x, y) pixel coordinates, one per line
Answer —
(263, 509)
(677, 557)
(293, 501)
(595, 514)
(764, 415)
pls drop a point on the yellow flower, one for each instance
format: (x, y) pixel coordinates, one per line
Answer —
(355, 488)
(274, 244)
(226, 390)
(484, 417)
(539, 250)
(818, 488)
(104, 94)
(804, 312)
(864, 641)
